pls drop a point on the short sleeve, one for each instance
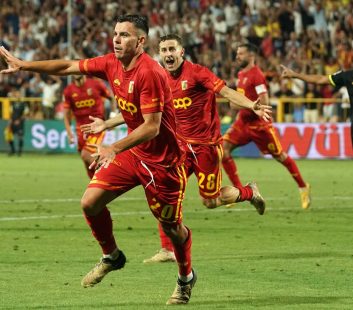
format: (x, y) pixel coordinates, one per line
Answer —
(96, 66)
(153, 89)
(337, 78)
(259, 82)
(67, 99)
(208, 79)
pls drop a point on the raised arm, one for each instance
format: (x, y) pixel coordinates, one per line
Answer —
(53, 67)
(309, 78)
(238, 100)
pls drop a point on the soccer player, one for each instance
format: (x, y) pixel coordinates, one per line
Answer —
(249, 127)
(149, 155)
(337, 79)
(84, 97)
(194, 89)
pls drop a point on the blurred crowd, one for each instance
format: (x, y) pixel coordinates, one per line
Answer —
(306, 35)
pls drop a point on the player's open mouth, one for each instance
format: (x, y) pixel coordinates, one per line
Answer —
(169, 61)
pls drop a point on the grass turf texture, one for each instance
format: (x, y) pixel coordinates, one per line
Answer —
(287, 259)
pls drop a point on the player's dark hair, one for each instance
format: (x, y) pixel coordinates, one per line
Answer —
(139, 21)
(252, 48)
(171, 36)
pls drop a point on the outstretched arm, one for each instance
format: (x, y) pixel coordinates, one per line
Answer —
(309, 78)
(98, 125)
(238, 100)
(53, 67)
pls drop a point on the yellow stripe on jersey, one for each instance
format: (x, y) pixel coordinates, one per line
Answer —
(85, 65)
(183, 180)
(275, 139)
(331, 80)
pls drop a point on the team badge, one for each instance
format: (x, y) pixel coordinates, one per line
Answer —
(131, 87)
(89, 91)
(184, 85)
(74, 95)
(116, 82)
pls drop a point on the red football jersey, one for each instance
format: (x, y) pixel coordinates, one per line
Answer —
(142, 90)
(194, 99)
(251, 83)
(86, 100)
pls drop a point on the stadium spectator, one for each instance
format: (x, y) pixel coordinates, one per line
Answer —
(311, 109)
(150, 154)
(249, 127)
(338, 79)
(194, 90)
(288, 109)
(19, 111)
(50, 88)
(84, 98)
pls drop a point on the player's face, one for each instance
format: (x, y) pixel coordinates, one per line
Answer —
(79, 80)
(243, 57)
(126, 41)
(171, 53)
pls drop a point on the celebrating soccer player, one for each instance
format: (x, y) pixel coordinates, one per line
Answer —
(337, 79)
(149, 155)
(249, 127)
(194, 89)
(84, 97)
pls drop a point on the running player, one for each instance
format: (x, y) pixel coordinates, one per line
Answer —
(249, 127)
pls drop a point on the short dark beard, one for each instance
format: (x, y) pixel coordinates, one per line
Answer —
(243, 64)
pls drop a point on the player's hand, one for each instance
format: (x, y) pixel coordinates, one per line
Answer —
(70, 138)
(263, 111)
(103, 156)
(13, 64)
(98, 125)
(286, 72)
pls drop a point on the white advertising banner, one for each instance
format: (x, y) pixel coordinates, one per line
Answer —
(316, 141)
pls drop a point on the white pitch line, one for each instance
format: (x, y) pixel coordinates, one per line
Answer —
(139, 213)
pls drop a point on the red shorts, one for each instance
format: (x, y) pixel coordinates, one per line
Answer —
(84, 139)
(263, 135)
(205, 162)
(164, 187)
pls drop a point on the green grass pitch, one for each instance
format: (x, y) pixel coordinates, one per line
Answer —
(287, 259)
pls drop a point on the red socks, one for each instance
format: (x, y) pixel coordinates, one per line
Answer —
(183, 255)
(102, 229)
(246, 193)
(231, 170)
(166, 243)
(292, 167)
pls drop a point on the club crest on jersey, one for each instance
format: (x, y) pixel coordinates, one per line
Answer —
(131, 87)
(74, 95)
(116, 82)
(89, 91)
(184, 85)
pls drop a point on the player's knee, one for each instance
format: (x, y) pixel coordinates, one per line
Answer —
(88, 206)
(176, 232)
(210, 203)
